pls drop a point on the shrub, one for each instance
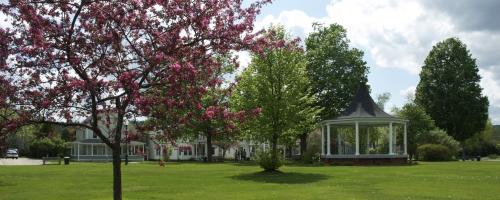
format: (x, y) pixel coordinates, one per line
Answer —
(311, 155)
(493, 156)
(267, 163)
(434, 152)
(47, 147)
(439, 136)
(477, 146)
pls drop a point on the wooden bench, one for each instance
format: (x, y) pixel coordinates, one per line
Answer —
(46, 159)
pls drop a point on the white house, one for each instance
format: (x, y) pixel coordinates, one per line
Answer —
(197, 149)
(89, 147)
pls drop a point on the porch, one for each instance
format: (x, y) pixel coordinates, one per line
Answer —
(95, 150)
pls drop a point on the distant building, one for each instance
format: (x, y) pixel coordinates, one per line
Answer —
(89, 147)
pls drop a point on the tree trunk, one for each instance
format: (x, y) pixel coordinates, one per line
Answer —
(303, 143)
(274, 148)
(209, 147)
(117, 173)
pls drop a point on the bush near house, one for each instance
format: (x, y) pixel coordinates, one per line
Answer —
(51, 147)
(434, 152)
(311, 155)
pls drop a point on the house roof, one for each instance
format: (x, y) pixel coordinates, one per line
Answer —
(363, 106)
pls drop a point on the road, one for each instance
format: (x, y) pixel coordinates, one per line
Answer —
(20, 161)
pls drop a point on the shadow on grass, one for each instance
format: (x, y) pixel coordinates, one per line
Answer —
(281, 177)
(244, 163)
(3, 183)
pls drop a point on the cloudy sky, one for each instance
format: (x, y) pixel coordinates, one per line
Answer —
(396, 36)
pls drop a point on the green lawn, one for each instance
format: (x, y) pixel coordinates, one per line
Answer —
(450, 180)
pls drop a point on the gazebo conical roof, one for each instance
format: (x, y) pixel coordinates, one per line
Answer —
(364, 108)
(362, 105)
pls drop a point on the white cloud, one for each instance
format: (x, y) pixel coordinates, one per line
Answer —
(491, 87)
(4, 21)
(296, 21)
(408, 93)
(400, 34)
(244, 59)
(395, 34)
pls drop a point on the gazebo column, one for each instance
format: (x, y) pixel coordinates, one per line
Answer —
(357, 138)
(390, 139)
(405, 140)
(367, 140)
(395, 142)
(322, 140)
(328, 152)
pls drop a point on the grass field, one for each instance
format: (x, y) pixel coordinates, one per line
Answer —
(449, 180)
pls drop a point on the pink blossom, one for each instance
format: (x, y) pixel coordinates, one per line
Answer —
(159, 57)
(257, 111)
(45, 103)
(176, 67)
(210, 114)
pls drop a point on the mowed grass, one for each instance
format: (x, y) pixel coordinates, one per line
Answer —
(448, 180)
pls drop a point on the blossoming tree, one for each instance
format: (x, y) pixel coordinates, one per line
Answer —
(67, 60)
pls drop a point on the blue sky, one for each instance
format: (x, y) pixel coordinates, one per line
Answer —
(396, 36)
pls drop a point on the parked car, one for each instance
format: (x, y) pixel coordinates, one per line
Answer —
(12, 153)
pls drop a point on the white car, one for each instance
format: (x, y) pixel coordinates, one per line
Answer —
(11, 153)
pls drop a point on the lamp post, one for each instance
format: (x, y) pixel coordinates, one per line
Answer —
(126, 141)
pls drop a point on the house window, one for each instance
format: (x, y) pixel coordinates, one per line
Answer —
(158, 152)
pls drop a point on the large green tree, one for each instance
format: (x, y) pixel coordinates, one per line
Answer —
(276, 81)
(449, 90)
(334, 69)
(419, 124)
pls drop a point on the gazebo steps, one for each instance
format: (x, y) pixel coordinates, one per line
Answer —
(368, 159)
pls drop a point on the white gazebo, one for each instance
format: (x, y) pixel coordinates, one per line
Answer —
(364, 133)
